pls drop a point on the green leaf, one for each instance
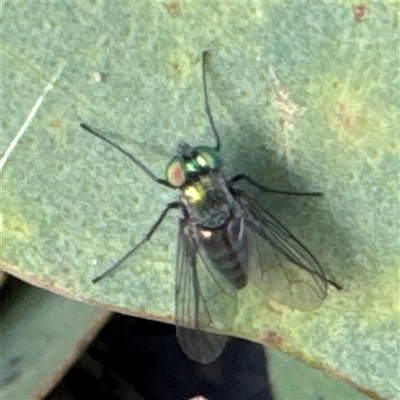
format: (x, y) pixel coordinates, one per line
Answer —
(305, 96)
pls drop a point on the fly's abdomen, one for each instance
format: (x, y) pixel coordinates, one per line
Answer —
(227, 252)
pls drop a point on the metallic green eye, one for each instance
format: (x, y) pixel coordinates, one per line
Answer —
(208, 157)
(175, 173)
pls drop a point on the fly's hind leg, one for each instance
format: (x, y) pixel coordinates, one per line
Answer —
(263, 188)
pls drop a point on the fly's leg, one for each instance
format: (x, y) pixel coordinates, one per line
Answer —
(267, 189)
(127, 154)
(145, 239)
(207, 106)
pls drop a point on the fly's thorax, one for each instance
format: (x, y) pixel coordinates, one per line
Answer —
(208, 201)
(194, 194)
(185, 169)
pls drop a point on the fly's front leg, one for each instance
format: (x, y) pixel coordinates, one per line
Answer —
(267, 189)
(145, 239)
(206, 103)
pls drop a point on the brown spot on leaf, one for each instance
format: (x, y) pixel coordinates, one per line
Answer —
(172, 8)
(359, 11)
(344, 118)
(54, 123)
(272, 339)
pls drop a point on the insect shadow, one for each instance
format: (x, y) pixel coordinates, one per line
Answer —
(225, 239)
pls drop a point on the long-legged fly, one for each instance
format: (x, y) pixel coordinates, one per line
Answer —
(225, 238)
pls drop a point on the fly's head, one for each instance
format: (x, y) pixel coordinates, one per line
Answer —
(189, 164)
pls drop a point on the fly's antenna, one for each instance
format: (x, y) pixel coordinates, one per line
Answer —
(207, 106)
(129, 155)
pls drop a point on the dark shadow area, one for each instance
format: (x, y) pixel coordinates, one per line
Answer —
(138, 359)
(248, 153)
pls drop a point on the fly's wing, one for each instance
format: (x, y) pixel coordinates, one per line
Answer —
(290, 275)
(202, 297)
